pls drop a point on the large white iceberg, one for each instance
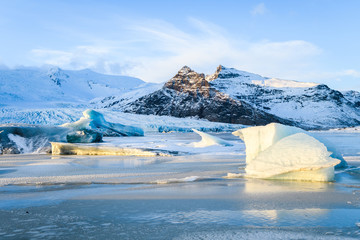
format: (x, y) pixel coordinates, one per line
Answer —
(96, 121)
(259, 138)
(277, 151)
(209, 140)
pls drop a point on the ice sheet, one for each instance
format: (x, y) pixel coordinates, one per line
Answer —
(181, 197)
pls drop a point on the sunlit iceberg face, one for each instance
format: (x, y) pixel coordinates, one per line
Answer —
(258, 139)
(281, 152)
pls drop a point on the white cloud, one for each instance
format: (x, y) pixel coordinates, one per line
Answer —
(351, 72)
(156, 50)
(259, 9)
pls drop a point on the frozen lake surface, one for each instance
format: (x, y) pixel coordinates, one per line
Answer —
(180, 197)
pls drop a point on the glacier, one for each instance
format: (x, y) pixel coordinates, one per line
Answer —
(95, 120)
(276, 151)
(209, 140)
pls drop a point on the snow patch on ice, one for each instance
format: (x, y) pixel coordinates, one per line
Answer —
(180, 180)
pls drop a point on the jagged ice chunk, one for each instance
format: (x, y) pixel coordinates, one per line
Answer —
(209, 140)
(96, 121)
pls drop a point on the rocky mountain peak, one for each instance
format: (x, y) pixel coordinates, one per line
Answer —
(188, 81)
(185, 70)
(57, 75)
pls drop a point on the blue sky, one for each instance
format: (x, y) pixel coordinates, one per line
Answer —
(309, 40)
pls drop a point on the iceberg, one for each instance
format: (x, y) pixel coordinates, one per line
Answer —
(296, 157)
(84, 136)
(259, 138)
(276, 151)
(95, 121)
(209, 140)
(25, 138)
(60, 148)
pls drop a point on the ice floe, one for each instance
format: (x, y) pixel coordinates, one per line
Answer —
(60, 148)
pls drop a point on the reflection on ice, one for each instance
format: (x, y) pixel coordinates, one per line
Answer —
(262, 186)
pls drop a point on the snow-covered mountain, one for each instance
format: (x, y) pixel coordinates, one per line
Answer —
(311, 104)
(234, 96)
(228, 95)
(189, 94)
(56, 87)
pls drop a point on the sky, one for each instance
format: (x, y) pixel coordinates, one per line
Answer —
(308, 40)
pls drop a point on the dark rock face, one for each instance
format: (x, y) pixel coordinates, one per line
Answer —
(189, 94)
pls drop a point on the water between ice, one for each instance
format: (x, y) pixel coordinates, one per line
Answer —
(184, 197)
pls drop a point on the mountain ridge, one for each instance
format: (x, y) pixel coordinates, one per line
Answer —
(39, 85)
(304, 104)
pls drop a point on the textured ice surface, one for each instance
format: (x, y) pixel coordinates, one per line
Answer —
(96, 121)
(282, 152)
(209, 140)
(149, 123)
(104, 197)
(258, 139)
(84, 136)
